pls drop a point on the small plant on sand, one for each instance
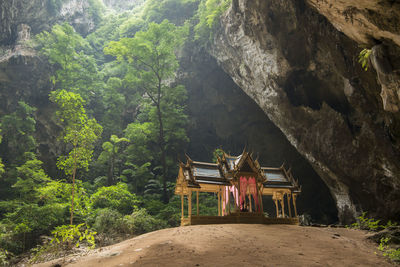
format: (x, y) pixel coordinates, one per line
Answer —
(4, 256)
(72, 235)
(365, 223)
(65, 238)
(391, 253)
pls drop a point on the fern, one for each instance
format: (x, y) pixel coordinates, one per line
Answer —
(363, 58)
(391, 253)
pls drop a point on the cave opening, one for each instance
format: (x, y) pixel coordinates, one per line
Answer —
(223, 116)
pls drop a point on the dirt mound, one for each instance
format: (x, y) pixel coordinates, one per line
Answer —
(237, 245)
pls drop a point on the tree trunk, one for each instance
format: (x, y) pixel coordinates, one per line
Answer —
(163, 154)
(73, 188)
(111, 169)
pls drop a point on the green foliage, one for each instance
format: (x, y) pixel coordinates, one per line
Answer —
(142, 109)
(140, 222)
(391, 253)
(76, 71)
(79, 131)
(176, 11)
(115, 197)
(152, 63)
(111, 156)
(130, 26)
(363, 58)
(4, 257)
(18, 129)
(115, 104)
(2, 170)
(54, 6)
(108, 221)
(169, 213)
(96, 10)
(390, 224)
(30, 177)
(209, 13)
(26, 223)
(72, 235)
(58, 192)
(365, 223)
(218, 153)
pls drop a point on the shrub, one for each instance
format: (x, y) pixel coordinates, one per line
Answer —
(65, 237)
(170, 215)
(116, 197)
(140, 222)
(107, 221)
(391, 253)
(365, 223)
(4, 257)
(21, 228)
(73, 235)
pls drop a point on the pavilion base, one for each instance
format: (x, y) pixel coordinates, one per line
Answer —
(239, 217)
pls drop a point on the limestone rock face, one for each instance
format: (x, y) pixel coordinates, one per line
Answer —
(23, 75)
(304, 75)
(122, 5)
(40, 15)
(371, 23)
(363, 20)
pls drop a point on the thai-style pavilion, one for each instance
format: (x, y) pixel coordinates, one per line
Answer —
(240, 184)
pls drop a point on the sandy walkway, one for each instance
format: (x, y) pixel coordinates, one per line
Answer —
(237, 245)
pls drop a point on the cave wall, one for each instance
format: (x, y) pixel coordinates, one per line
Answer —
(304, 75)
(372, 24)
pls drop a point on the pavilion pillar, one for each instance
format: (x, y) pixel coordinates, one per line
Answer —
(288, 203)
(229, 200)
(294, 204)
(251, 210)
(238, 190)
(219, 203)
(276, 206)
(197, 202)
(190, 205)
(182, 216)
(261, 201)
(223, 201)
(282, 200)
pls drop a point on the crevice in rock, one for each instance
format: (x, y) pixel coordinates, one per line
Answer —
(305, 89)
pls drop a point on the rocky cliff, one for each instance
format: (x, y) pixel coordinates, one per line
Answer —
(24, 76)
(303, 73)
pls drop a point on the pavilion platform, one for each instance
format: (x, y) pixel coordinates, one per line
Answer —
(237, 218)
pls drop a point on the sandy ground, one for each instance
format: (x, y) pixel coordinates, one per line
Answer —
(237, 245)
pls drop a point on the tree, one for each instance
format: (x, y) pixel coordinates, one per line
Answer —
(18, 129)
(30, 177)
(1, 163)
(67, 51)
(138, 155)
(110, 155)
(80, 132)
(152, 67)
